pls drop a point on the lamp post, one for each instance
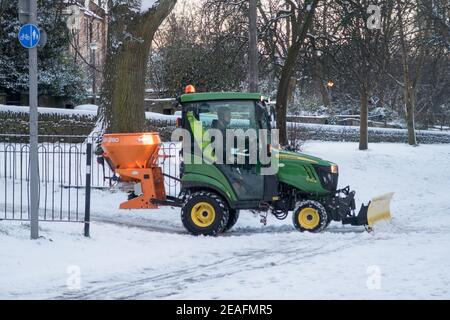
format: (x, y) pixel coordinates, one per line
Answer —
(30, 39)
(93, 47)
(330, 85)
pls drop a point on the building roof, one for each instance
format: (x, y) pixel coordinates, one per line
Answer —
(194, 97)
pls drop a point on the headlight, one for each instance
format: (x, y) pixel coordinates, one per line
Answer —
(334, 168)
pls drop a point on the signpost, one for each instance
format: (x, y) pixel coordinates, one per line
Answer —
(29, 36)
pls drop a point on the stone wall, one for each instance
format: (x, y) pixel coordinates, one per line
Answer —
(62, 124)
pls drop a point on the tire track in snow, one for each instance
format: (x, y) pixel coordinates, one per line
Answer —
(143, 225)
(175, 281)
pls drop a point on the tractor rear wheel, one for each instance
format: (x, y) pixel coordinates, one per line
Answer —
(234, 216)
(204, 213)
(310, 216)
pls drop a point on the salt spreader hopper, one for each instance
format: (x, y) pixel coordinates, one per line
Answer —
(134, 157)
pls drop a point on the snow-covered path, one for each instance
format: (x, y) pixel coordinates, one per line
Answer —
(147, 254)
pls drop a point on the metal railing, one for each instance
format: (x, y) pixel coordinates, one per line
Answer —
(63, 172)
(62, 177)
(169, 161)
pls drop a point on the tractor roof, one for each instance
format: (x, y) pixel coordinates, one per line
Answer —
(211, 96)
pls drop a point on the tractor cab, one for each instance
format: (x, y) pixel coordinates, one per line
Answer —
(209, 118)
(215, 185)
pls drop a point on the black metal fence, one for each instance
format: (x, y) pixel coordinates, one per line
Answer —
(65, 164)
(169, 161)
(62, 177)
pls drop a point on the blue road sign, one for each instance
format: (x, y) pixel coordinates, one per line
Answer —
(29, 36)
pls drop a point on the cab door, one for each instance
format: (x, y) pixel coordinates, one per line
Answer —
(244, 178)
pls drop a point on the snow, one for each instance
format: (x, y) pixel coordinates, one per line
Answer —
(160, 100)
(159, 116)
(142, 254)
(147, 4)
(339, 128)
(90, 13)
(42, 110)
(86, 110)
(87, 107)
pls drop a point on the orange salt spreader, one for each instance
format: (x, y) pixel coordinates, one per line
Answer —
(134, 158)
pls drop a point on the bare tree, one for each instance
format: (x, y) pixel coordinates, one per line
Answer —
(300, 18)
(356, 53)
(413, 33)
(253, 46)
(131, 30)
(206, 46)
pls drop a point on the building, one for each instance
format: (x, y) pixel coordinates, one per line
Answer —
(153, 103)
(87, 21)
(89, 27)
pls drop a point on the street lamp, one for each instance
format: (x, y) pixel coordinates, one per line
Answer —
(330, 84)
(93, 46)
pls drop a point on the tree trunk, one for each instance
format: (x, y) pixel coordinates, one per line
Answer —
(253, 47)
(299, 35)
(363, 130)
(408, 89)
(283, 92)
(410, 109)
(324, 92)
(130, 35)
(124, 88)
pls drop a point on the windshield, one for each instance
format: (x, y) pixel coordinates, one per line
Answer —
(239, 114)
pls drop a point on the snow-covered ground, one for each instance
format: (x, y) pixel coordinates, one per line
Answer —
(147, 254)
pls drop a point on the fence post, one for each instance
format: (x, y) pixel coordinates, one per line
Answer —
(87, 205)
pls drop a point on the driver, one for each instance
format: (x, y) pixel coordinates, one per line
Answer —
(224, 119)
(222, 124)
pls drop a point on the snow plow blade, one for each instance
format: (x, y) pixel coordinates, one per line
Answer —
(379, 209)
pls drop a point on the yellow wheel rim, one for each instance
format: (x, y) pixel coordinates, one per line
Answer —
(203, 214)
(309, 218)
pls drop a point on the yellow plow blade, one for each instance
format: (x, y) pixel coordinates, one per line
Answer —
(379, 209)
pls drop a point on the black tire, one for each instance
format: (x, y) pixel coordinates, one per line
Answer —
(234, 216)
(204, 213)
(329, 220)
(310, 216)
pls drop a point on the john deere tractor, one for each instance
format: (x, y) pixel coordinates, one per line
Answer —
(213, 192)
(221, 176)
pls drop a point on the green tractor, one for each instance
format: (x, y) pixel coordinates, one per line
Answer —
(214, 192)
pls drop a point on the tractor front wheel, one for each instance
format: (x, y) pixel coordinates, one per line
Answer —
(205, 213)
(310, 216)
